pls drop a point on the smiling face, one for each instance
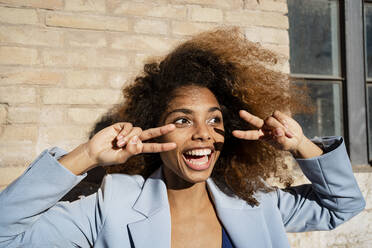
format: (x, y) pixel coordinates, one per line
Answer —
(199, 135)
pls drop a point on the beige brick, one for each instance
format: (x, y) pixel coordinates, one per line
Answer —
(190, 28)
(85, 58)
(365, 184)
(23, 115)
(18, 56)
(84, 115)
(273, 35)
(150, 27)
(55, 135)
(85, 39)
(279, 49)
(205, 14)
(67, 145)
(87, 22)
(112, 5)
(84, 5)
(267, 5)
(112, 59)
(18, 133)
(12, 94)
(19, 75)
(141, 59)
(243, 18)
(274, 6)
(42, 4)
(225, 4)
(9, 174)
(142, 42)
(148, 9)
(3, 113)
(253, 34)
(84, 79)
(30, 36)
(117, 80)
(257, 18)
(268, 36)
(52, 115)
(18, 16)
(80, 96)
(272, 19)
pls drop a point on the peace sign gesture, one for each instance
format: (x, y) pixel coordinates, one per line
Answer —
(115, 144)
(279, 130)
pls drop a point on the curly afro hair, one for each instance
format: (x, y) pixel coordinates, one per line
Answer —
(239, 73)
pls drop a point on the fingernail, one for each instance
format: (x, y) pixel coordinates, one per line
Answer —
(290, 134)
(134, 140)
(121, 142)
(278, 133)
(120, 136)
(285, 124)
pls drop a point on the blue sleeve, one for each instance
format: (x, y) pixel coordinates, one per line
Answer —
(333, 196)
(31, 216)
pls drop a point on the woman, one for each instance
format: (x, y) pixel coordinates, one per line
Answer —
(203, 126)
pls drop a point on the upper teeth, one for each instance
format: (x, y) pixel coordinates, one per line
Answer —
(199, 152)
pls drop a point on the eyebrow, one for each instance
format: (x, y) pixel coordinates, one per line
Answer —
(189, 111)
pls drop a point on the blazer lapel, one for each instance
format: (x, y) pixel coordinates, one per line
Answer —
(154, 230)
(245, 224)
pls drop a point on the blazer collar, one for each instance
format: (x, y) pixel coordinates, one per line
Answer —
(153, 196)
(154, 230)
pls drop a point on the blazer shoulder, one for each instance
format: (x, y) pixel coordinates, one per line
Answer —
(122, 188)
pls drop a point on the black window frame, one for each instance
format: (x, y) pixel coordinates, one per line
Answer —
(368, 81)
(352, 79)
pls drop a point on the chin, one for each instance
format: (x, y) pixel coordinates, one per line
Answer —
(197, 176)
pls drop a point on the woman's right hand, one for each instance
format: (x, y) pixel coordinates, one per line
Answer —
(115, 144)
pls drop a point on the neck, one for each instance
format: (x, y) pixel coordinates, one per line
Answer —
(184, 196)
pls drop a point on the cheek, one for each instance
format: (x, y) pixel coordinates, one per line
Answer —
(177, 136)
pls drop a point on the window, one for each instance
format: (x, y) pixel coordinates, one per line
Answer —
(315, 62)
(327, 55)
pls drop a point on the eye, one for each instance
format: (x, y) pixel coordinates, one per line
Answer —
(181, 121)
(215, 120)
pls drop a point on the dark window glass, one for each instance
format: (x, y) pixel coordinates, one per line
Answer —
(314, 37)
(368, 38)
(327, 117)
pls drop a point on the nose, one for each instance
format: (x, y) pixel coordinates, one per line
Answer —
(202, 133)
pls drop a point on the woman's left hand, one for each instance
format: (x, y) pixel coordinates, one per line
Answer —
(279, 130)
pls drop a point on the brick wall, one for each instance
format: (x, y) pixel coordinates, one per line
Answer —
(63, 63)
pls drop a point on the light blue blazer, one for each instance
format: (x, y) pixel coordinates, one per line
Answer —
(129, 211)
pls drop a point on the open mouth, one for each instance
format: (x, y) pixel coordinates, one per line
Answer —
(198, 159)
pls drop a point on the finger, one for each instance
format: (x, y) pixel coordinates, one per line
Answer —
(248, 135)
(272, 123)
(136, 131)
(156, 132)
(134, 145)
(158, 147)
(251, 119)
(279, 132)
(126, 128)
(281, 117)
